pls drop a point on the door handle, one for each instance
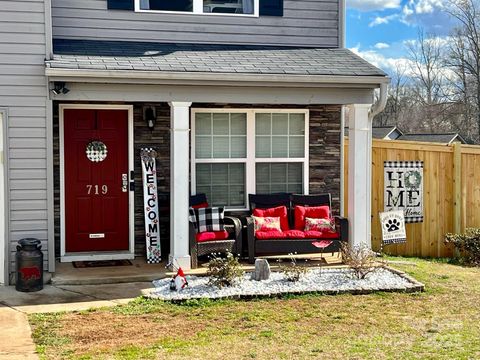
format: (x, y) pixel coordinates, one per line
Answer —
(124, 182)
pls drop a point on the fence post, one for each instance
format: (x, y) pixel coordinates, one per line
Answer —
(457, 183)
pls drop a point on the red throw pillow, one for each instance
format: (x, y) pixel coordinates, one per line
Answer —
(301, 212)
(200, 206)
(280, 211)
(211, 236)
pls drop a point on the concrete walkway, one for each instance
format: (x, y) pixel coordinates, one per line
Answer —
(15, 336)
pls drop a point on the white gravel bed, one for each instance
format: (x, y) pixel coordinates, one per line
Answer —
(328, 281)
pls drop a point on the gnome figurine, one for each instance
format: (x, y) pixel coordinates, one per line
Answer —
(179, 281)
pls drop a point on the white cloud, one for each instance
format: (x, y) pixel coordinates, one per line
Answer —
(381, 45)
(427, 6)
(369, 5)
(388, 64)
(382, 20)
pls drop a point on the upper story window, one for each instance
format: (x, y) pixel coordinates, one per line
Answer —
(230, 7)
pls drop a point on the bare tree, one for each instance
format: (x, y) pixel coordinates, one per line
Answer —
(465, 57)
(428, 79)
(396, 93)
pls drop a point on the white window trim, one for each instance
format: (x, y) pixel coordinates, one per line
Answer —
(250, 160)
(198, 10)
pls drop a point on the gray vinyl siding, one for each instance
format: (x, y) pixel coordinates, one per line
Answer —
(23, 93)
(305, 23)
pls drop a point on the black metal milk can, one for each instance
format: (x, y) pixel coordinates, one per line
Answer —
(29, 260)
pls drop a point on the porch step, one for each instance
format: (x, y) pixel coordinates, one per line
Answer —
(140, 271)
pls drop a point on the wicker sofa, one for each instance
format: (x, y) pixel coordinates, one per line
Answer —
(198, 248)
(295, 243)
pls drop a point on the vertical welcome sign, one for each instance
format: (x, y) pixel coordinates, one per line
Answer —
(150, 203)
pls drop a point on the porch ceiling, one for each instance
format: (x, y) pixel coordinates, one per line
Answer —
(118, 59)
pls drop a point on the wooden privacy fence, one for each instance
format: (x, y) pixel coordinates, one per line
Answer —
(451, 193)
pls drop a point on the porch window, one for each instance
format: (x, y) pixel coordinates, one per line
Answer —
(232, 7)
(237, 152)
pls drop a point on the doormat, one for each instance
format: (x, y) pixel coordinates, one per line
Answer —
(102, 263)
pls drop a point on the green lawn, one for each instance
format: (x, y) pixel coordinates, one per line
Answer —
(441, 323)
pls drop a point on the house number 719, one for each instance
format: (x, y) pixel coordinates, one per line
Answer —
(94, 189)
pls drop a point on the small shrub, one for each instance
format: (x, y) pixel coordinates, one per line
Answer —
(224, 271)
(467, 244)
(292, 272)
(360, 259)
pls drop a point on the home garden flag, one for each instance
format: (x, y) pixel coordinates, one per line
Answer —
(403, 182)
(150, 201)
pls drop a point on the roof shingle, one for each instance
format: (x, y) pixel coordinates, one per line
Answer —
(148, 56)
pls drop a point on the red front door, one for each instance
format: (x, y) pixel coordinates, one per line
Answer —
(96, 169)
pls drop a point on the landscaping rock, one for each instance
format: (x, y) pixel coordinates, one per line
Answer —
(262, 270)
(324, 281)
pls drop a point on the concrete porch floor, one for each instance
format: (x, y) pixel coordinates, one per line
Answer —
(140, 271)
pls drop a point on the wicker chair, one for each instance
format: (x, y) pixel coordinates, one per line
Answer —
(233, 244)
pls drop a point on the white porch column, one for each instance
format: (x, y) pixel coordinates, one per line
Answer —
(179, 175)
(359, 175)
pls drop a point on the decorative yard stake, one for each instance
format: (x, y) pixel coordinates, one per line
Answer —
(150, 200)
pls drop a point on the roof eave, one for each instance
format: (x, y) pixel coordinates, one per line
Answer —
(209, 78)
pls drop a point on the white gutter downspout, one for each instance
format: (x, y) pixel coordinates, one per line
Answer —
(376, 109)
(379, 106)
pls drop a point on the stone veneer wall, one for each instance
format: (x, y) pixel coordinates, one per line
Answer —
(325, 129)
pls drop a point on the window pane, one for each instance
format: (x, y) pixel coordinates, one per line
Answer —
(203, 147)
(203, 124)
(167, 5)
(277, 188)
(263, 124)
(279, 177)
(227, 135)
(263, 189)
(279, 173)
(219, 173)
(221, 147)
(221, 124)
(295, 173)
(280, 147)
(237, 195)
(238, 124)
(239, 147)
(262, 173)
(228, 6)
(204, 172)
(286, 132)
(262, 147)
(237, 173)
(297, 124)
(295, 188)
(297, 146)
(219, 196)
(280, 124)
(224, 184)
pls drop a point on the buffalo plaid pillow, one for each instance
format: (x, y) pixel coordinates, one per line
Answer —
(207, 219)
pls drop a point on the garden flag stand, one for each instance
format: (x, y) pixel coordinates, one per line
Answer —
(150, 201)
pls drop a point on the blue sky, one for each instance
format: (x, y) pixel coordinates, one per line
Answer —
(378, 29)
